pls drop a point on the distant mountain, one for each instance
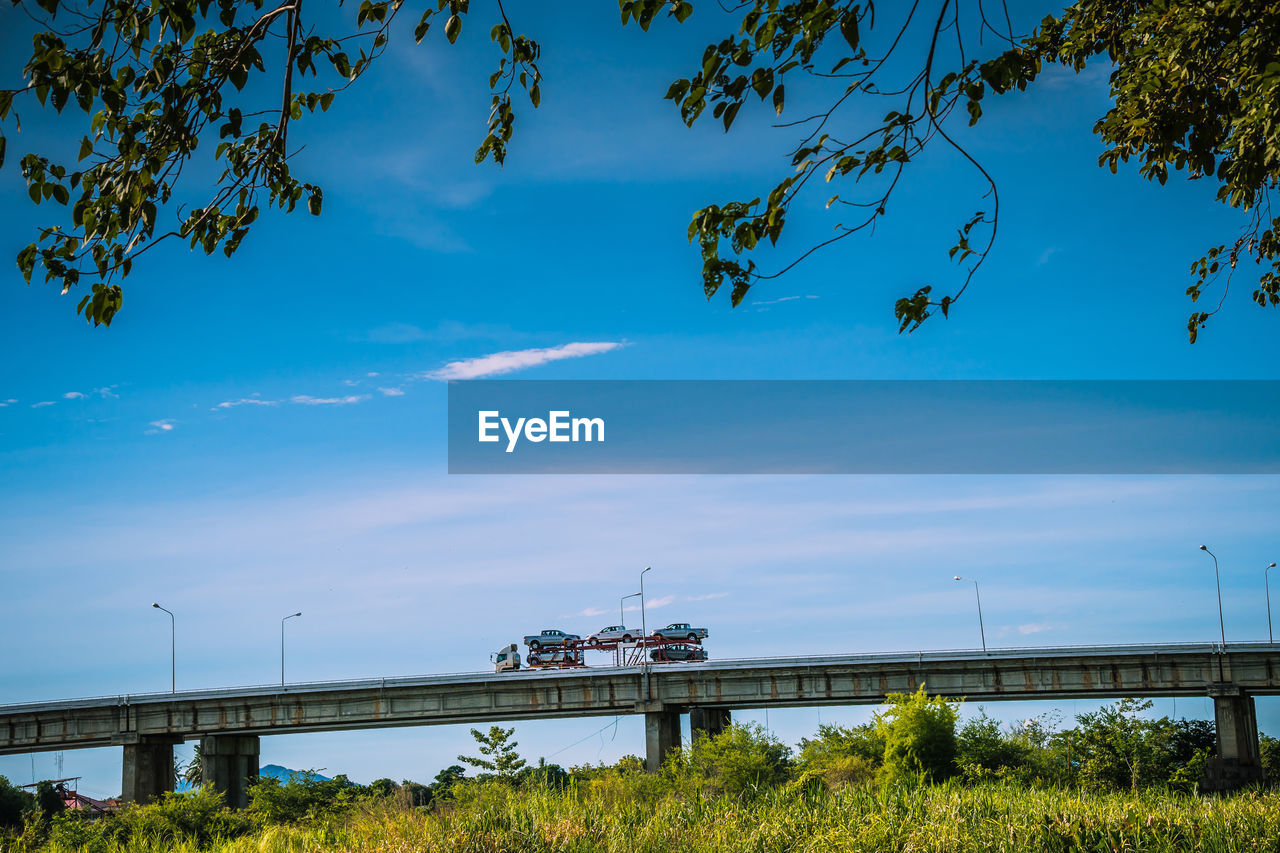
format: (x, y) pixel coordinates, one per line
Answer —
(284, 774)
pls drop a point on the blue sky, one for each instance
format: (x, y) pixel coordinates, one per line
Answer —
(132, 470)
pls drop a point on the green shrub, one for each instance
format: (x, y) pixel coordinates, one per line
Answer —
(301, 797)
(919, 734)
(740, 759)
(840, 756)
(13, 802)
(198, 818)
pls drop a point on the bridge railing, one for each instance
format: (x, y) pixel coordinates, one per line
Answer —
(919, 656)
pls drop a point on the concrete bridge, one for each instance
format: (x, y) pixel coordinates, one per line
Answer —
(229, 722)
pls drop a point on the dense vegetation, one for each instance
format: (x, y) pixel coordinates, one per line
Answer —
(910, 780)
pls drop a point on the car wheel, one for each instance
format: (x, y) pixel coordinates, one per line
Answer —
(534, 644)
(693, 638)
(626, 638)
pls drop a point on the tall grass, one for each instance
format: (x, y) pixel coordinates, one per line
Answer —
(629, 816)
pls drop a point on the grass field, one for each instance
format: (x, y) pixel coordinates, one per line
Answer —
(632, 817)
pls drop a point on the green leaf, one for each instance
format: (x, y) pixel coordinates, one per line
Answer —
(420, 31)
(452, 27)
(778, 97)
(849, 28)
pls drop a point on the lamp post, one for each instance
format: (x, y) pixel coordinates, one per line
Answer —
(620, 655)
(982, 631)
(1221, 625)
(173, 649)
(622, 620)
(282, 621)
(1266, 576)
(644, 633)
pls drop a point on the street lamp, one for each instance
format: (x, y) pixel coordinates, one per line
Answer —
(282, 621)
(644, 633)
(173, 646)
(1221, 625)
(622, 620)
(1266, 576)
(982, 631)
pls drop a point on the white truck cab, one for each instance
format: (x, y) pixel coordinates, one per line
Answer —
(506, 659)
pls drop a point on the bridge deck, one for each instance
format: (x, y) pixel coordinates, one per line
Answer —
(1031, 673)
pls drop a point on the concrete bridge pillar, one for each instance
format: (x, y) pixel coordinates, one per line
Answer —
(230, 766)
(1238, 762)
(708, 722)
(147, 770)
(661, 736)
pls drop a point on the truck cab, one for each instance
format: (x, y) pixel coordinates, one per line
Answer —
(506, 659)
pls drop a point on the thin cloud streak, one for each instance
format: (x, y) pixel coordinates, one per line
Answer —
(305, 400)
(508, 362)
(245, 401)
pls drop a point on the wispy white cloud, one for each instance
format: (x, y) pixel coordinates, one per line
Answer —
(9, 402)
(306, 400)
(781, 299)
(160, 426)
(73, 395)
(392, 392)
(1046, 255)
(706, 597)
(42, 404)
(372, 373)
(592, 611)
(651, 604)
(245, 401)
(107, 392)
(509, 362)
(1035, 628)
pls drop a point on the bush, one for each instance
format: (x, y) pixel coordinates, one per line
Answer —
(919, 737)
(740, 759)
(196, 817)
(981, 745)
(303, 796)
(840, 756)
(1269, 752)
(13, 802)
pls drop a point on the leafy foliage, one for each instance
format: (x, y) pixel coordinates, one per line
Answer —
(197, 817)
(1194, 88)
(155, 81)
(302, 796)
(838, 756)
(498, 753)
(13, 802)
(743, 758)
(919, 733)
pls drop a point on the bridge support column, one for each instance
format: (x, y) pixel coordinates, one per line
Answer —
(1238, 762)
(708, 722)
(147, 770)
(230, 766)
(661, 736)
